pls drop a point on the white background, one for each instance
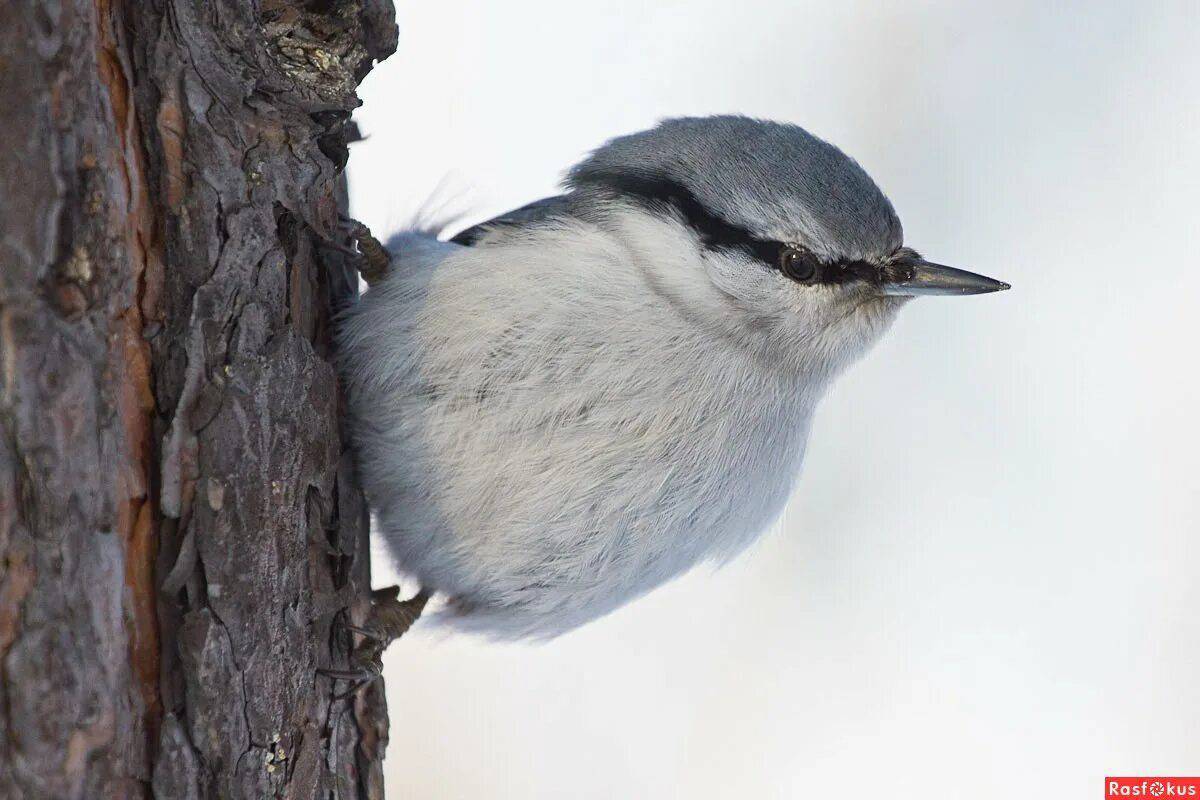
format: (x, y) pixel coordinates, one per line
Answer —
(986, 585)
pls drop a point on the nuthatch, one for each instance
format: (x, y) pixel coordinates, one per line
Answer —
(562, 408)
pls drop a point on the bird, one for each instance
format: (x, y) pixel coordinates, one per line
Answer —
(562, 408)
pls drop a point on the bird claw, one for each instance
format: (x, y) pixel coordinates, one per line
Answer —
(370, 256)
(367, 632)
(358, 678)
(361, 674)
(338, 247)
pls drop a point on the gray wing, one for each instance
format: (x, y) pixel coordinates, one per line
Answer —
(530, 214)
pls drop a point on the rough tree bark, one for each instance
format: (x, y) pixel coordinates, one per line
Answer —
(179, 522)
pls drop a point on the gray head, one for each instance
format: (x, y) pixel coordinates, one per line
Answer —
(771, 197)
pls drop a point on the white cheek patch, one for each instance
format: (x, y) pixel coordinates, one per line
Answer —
(745, 279)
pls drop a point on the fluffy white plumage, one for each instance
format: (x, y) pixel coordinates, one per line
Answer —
(572, 411)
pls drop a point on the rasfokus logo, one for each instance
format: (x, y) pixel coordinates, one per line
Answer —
(1152, 787)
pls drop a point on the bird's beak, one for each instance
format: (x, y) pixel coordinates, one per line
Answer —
(918, 276)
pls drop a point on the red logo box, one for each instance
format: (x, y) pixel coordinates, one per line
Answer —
(1151, 787)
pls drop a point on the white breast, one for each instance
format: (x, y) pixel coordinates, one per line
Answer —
(546, 430)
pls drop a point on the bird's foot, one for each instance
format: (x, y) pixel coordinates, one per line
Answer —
(388, 620)
(374, 259)
(390, 617)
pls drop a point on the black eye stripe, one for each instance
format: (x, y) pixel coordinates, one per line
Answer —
(657, 191)
(716, 233)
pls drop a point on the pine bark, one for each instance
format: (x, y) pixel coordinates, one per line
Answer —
(180, 526)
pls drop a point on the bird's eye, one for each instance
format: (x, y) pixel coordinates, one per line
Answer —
(797, 263)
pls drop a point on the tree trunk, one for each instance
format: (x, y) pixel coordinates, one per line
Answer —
(179, 521)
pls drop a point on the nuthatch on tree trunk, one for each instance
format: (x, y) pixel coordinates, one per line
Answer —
(563, 408)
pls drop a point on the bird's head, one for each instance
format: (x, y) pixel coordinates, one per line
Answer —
(793, 234)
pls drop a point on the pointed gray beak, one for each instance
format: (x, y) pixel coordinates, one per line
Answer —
(918, 276)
